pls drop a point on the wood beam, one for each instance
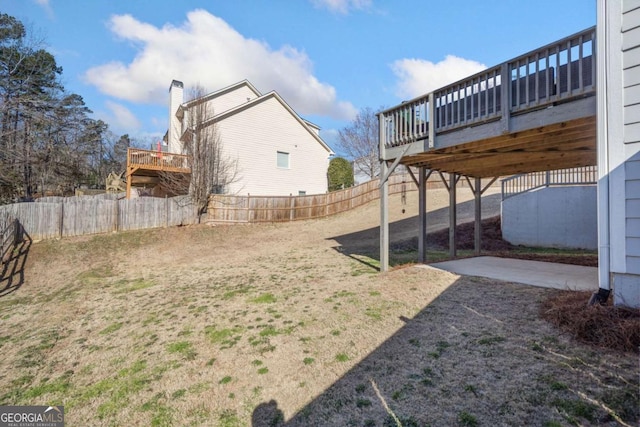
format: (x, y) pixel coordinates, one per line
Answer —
(477, 228)
(384, 219)
(141, 179)
(422, 215)
(530, 135)
(504, 163)
(453, 219)
(576, 144)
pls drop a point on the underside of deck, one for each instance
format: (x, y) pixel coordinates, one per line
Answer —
(556, 146)
(149, 168)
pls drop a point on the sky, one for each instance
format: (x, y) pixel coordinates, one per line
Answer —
(328, 59)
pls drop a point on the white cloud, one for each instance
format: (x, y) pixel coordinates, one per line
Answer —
(343, 6)
(46, 5)
(119, 117)
(418, 76)
(206, 50)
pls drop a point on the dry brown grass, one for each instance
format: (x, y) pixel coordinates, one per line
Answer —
(291, 324)
(605, 326)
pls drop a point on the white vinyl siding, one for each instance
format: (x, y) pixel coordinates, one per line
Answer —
(228, 100)
(632, 205)
(631, 136)
(253, 135)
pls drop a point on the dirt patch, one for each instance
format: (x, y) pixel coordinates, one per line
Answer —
(291, 324)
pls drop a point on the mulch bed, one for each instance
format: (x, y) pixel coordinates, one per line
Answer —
(605, 326)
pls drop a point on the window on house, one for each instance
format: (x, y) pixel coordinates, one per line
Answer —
(302, 193)
(283, 160)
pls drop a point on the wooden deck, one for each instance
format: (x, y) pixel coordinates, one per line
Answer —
(145, 166)
(536, 112)
(532, 113)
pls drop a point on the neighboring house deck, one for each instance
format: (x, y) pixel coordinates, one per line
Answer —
(533, 113)
(144, 167)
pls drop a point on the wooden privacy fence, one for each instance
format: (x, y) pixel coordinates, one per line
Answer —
(10, 235)
(54, 217)
(249, 209)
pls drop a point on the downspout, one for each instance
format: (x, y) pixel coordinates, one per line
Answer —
(604, 261)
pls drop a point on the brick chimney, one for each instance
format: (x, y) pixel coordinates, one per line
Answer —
(175, 124)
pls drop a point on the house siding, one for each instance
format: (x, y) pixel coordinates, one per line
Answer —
(620, 60)
(273, 128)
(175, 127)
(631, 104)
(231, 99)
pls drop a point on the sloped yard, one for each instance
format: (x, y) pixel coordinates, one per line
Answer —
(291, 324)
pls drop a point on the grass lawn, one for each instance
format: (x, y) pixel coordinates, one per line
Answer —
(290, 324)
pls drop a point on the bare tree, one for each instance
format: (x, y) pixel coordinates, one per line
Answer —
(359, 141)
(212, 171)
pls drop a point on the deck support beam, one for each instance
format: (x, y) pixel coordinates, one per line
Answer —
(477, 226)
(129, 177)
(478, 191)
(384, 218)
(422, 214)
(385, 173)
(453, 218)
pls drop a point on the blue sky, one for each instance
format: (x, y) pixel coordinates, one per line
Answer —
(326, 58)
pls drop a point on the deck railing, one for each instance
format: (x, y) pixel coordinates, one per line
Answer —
(519, 184)
(554, 73)
(156, 160)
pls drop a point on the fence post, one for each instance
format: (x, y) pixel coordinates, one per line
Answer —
(61, 220)
(17, 232)
(291, 204)
(248, 207)
(166, 211)
(350, 195)
(326, 204)
(116, 213)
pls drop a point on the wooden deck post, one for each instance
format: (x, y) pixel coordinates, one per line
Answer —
(477, 193)
(384, 217)
(453, 241)
(129, 177)
(422, 214)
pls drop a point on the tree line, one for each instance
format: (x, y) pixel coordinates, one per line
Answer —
(49, 144)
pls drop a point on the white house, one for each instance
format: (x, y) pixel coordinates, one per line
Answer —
(277, 152)
(619, 149)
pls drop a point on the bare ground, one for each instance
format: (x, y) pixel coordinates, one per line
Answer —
(290, 324)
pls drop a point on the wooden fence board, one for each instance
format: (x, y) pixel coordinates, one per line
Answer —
(82, 215)
(249, 209)
(88, 216)
(39, 220)
(54, 217)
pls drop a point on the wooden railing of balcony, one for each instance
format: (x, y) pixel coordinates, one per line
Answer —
(558, 72)
(138, 159)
